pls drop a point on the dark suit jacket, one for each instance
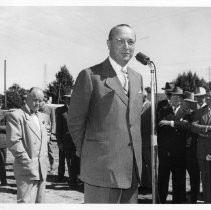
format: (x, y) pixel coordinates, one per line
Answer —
(146, 124)
(201, 121)
(105, 125)
(62, 133)
(171, 141)
(3, 143)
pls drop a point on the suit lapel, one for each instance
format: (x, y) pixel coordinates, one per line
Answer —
(113, 82)
(135, 96)
(206, 116)
(30, 122)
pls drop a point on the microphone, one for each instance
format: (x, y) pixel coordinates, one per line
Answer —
(142, 58)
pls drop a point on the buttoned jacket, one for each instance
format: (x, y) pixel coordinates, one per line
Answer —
(28, 144)
(105, 125)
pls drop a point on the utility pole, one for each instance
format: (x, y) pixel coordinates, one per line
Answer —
(5, 87)
(209, 74)
(45, 77)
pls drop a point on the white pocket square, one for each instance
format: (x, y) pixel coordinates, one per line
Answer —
(140, 91)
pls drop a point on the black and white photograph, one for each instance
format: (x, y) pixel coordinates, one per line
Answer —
(105, 103)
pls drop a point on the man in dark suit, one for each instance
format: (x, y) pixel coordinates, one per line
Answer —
(67, 150)
(202, 126)
(104, 121)
(146, 179)
(3, 148)
(171, 149)
(184, 124)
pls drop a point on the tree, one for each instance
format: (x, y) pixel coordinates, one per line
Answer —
(56, 89)
(189, 81)
(14, 96)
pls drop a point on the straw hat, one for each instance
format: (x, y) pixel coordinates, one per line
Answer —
(200, 91)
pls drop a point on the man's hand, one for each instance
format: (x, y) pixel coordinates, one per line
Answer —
(208, 157)
(164, 122)
(77, 154)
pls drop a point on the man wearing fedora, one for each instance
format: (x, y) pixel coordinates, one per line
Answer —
(171, 149)
(67, 150)
(190, 105)
(166, 102)
(202, 126)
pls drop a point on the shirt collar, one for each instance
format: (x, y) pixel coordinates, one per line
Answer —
(29, 110)
(176, 109)
(204, 104)
(117, 68)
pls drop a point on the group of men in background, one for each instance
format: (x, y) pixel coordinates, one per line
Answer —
(183, 134)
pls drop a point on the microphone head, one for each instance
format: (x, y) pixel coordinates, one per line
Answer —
(142, 58)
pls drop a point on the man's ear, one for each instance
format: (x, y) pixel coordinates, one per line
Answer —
(108, 44)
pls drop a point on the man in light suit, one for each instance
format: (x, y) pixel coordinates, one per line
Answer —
(104, 122)
(27, 140)
(51, 114)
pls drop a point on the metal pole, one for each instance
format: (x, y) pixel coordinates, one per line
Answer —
(153, 136)
(59, 92)
(5, 87)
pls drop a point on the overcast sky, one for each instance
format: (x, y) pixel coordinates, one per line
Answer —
(177, 39)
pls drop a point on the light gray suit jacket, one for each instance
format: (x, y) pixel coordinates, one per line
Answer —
(105, 126)
(28, 144)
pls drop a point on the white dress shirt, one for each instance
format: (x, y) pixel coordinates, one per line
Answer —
(118, 69)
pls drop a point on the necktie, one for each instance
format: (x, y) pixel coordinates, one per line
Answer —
(174, 109)
(125, 83)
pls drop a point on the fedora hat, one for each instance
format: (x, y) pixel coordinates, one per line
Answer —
(169, 86)
(189, 96)
(177, 91)
(68, 92)
(200, 91)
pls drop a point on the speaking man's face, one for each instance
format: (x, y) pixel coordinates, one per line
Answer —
(122, 45)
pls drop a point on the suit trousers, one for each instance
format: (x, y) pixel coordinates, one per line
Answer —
(192, 167)
(30, 191)
(146, 176)
(73, 164)
(3, 177)
(51, 155)
(176, 166)
(96, 194)
(205, 168)
(61, 168)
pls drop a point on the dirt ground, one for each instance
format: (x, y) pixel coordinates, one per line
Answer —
(57, 192)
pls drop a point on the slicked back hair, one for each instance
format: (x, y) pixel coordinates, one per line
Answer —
(112, 31)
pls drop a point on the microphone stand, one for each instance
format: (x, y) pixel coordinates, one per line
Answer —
(153, 135)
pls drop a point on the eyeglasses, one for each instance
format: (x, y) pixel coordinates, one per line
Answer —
(121, 42)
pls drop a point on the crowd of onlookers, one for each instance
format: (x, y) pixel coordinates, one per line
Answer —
(183, 125)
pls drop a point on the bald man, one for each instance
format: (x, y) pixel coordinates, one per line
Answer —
(27, 140)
